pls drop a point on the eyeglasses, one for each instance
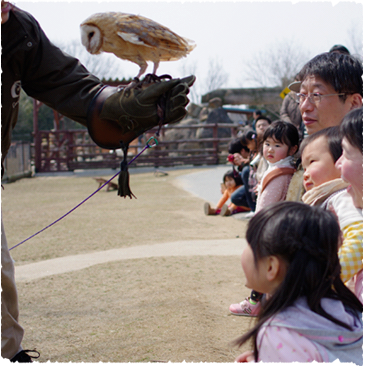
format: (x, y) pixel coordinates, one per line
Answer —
(314, 98)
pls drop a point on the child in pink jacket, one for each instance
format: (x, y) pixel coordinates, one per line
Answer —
(310, 315)
(280, 143)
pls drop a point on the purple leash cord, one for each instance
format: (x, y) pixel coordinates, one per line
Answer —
(91, 195)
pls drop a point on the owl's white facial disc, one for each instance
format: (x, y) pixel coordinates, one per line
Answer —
(91, 38)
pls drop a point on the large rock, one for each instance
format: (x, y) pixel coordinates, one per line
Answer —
(218, 115)
(194, 110)
(181, 134)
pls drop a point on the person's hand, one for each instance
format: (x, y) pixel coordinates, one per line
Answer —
(245, 357)
(238, 159)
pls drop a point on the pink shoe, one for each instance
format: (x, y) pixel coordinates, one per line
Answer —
(245, 308)
(240, 209)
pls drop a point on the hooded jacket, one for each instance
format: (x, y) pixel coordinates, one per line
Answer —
(331, 341)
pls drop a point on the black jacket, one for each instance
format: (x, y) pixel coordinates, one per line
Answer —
(31, 62)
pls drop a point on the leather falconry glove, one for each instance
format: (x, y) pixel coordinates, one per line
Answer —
(123, 114)
(119, 115)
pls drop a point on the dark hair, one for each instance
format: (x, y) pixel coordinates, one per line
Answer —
(267, 119)
(342, 72)
(236, 146)
(233, 174)
(284, 132)
(306, 238)
(248, 136)
(351, 128)
(340, 49)
(333, 138)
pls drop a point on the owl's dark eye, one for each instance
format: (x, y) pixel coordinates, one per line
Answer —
(91, 35)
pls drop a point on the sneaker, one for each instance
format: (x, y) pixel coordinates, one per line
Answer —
(23, 356)
(245, 308)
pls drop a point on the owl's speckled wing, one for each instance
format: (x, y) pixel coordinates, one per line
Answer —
(140, 30)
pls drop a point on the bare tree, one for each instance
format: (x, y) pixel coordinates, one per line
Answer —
(355, 39)
(191, 69)
(103, 65)
(275, 66)
(216, 76)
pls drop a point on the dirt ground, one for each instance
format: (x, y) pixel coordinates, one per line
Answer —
(140, 310)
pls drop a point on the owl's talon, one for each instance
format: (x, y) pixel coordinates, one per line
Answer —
(132, 84)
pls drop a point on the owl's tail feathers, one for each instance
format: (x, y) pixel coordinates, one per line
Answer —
(190, 45)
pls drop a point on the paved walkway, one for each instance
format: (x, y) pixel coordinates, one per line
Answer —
(203, 184)
(223, 247)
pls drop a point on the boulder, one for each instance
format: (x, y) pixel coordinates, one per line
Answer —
(181, 134)
(194, 110)
(217, 115)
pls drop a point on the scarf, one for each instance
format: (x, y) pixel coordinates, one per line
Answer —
(318, 195)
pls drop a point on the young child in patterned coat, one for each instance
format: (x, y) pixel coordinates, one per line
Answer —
(310, 315)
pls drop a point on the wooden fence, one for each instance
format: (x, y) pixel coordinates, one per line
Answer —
(17, 163)
(69, 150)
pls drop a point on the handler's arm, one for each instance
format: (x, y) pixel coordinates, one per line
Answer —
(50, 75)
(62, 83)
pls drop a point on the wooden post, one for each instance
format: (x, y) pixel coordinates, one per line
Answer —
(216, 143)
(37, 137)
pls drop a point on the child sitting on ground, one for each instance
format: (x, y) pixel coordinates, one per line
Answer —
(310, 315)
(324, 187)
(232, 181)
(244, 196)
(281, 140)
(351, 165)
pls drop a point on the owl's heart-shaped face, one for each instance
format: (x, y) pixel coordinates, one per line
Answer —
(91, 38)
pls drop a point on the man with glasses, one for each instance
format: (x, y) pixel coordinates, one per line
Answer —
(330, 86)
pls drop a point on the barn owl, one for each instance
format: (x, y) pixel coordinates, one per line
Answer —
(134, 38)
